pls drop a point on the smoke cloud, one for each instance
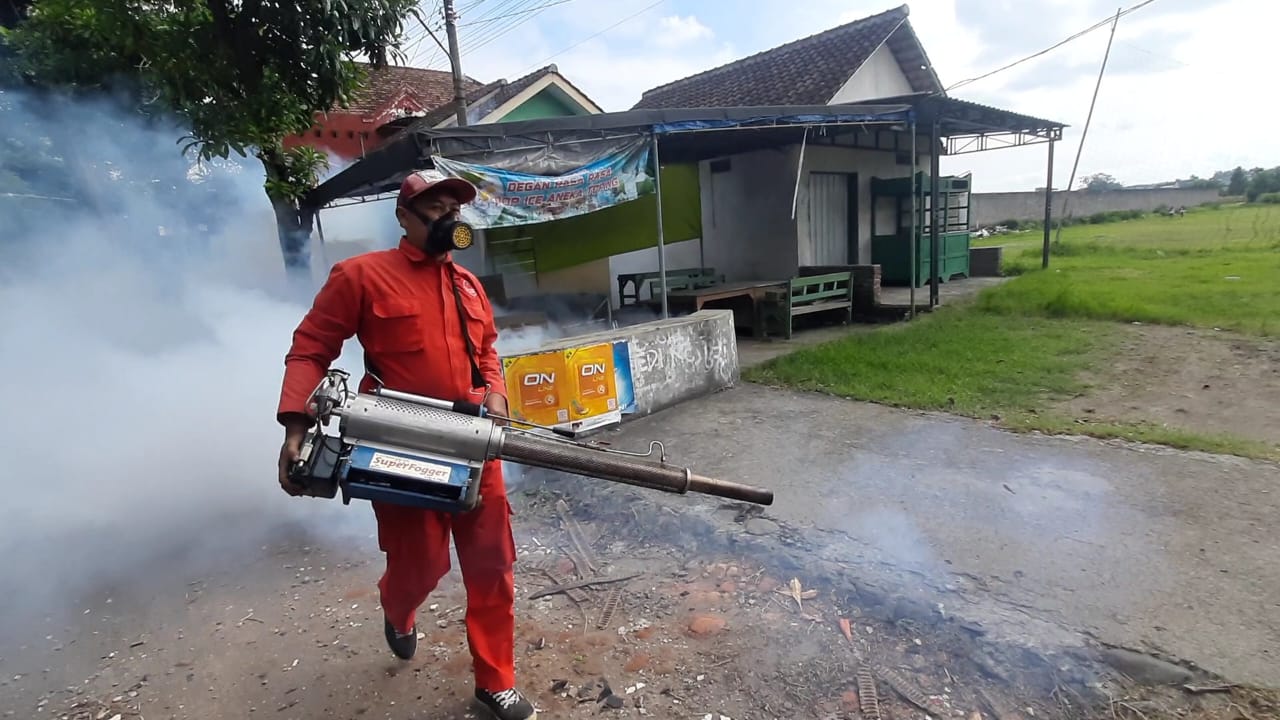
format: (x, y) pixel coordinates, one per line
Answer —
(145, 322)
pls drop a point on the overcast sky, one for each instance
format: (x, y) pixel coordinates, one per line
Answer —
(1162, 112)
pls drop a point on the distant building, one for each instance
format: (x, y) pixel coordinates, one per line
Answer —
(394, 97)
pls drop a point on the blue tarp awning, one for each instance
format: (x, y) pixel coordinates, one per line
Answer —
(554, 145)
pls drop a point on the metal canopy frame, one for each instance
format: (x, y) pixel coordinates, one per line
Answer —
(955, 127)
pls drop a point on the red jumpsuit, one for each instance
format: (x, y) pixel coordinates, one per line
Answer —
(401, 306)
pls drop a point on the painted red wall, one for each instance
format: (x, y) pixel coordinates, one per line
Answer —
(340, 134)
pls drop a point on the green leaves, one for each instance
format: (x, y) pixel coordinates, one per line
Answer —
(242, 74)
(292, 173)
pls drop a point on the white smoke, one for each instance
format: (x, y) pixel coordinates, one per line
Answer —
(142, 355)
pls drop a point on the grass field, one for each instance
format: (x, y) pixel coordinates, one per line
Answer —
(1021, 347)
(1214, 268)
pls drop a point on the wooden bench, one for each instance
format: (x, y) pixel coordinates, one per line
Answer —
(683, 278)
(680, 280)
(806, 295)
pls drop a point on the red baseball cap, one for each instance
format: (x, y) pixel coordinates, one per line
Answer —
(419, 182)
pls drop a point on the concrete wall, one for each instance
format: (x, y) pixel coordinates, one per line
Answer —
(601, 276)
(867, 164)
(673, 360)
(747, 228)
(991, 208)
(679, 255)
(592, 276)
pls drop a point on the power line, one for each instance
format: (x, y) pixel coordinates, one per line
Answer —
(516, 13)
(1100, 24)
(1080, 148)
(522, 12)
(415, 46)
(497, 8)
(598, 33)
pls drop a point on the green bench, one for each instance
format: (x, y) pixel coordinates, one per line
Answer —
(681, 279)
(829, 292)
(702, 277)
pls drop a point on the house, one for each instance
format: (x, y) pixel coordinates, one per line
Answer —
(775, 166)
(394, 96)
(825, 216)
(875, 57)
(832, 196)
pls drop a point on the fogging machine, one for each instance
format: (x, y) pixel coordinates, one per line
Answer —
(406, 449)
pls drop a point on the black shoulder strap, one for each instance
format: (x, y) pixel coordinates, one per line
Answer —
(477, 378)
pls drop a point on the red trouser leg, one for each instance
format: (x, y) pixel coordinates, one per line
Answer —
(486, 556)
(416, 543)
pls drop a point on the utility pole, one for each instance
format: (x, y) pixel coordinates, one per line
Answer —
(455, 60)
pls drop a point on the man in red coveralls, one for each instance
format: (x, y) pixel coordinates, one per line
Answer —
(409, 308)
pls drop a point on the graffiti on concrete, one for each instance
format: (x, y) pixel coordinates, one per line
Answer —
(698, 350)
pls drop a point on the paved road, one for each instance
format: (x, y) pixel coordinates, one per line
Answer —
(1039, 538)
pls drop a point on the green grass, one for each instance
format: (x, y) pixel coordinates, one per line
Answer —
(959, 360)
(1212, 269)
(1021, 347)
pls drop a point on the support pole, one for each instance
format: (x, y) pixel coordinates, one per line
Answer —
(915, 230)
(1048, 208)
(1066, 198)
(662, 250)
(324, 256)
(935, 269)
(455, 60)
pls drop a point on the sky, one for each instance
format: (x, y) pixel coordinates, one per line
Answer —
(1167, 60)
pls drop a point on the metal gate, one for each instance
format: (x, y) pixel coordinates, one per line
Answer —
(828, 240)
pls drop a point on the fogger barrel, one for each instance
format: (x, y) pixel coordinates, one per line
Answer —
(540, 452)
(405, 420)
(425, 452)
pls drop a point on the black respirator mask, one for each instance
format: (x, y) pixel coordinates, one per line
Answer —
(446, 234)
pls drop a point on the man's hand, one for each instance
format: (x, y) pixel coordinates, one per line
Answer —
(497, 405)
(294, 433)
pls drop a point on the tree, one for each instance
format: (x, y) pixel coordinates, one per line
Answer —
(1238, 184)
(1100, 181)
(243, 75)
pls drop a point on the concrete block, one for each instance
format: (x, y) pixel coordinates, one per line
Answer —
(672, 360)
(681, 358)
(985, 261)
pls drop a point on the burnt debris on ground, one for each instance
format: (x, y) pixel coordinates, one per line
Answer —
(791, 632)
(629, 604)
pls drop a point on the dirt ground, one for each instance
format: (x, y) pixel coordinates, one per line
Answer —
(719, 610)
(1197, 380)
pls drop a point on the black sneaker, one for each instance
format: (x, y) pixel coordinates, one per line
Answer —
(507, 704)
(402, 645)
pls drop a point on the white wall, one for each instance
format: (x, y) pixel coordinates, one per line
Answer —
(679, 255)
(879, 77)
(867, 164)
(590, 277)
(748, 232)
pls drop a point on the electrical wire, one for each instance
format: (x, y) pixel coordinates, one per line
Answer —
(1100, 24)
(515, 19)
(597, 34)
(515, 13)
(413, 50)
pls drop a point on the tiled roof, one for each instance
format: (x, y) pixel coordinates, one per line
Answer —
(505, 91)
(808, 71)
(431, 88)
(484, 99)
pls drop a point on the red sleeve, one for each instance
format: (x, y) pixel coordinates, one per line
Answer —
(317, 342)
(490, 364)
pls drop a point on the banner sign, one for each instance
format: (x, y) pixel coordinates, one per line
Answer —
(508, 198)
